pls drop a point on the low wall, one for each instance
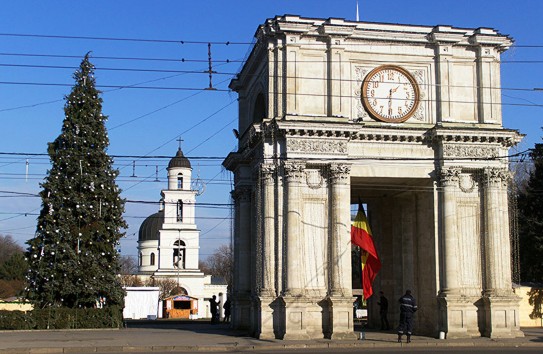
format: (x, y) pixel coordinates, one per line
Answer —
(15, 306)
(525, 308)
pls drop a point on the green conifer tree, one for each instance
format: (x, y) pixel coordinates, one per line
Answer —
(73, 258)
(530, 206)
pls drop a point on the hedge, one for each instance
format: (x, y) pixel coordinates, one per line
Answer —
(62, 318)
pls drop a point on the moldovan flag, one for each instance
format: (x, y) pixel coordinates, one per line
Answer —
(361, 236)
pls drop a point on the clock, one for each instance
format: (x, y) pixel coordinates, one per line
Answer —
(390, 94)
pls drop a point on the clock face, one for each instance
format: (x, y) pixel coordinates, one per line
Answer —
(390, 94)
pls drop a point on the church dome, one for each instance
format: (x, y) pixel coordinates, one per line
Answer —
(179, 160)
(150, 227)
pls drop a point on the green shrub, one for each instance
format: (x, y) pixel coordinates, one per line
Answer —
(62, 318)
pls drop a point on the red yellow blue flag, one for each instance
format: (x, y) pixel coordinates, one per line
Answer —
(362, 237)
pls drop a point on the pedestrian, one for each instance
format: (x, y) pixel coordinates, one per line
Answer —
(408, 306)
(213, 307)
(226, 308)
(383, 311)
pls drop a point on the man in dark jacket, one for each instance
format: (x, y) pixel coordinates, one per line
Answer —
(383, 311)
(408, 306)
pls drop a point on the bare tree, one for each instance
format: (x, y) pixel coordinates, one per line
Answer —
(8, 247)
(128, 265)
(168, 287)
(220, 264)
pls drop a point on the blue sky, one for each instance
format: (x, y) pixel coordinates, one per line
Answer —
(148, 121)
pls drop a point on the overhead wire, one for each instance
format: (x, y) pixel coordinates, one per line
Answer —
(200, 42)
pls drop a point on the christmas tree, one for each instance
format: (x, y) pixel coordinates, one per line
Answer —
(73, 259)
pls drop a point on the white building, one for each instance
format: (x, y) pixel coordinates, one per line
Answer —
(168, 242)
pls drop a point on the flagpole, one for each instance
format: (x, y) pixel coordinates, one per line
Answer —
(357, 16)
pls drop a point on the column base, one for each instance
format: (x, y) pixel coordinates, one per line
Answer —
(241, 311)
(460, 315)
(341, 318)
(267, 316)
(502, 316)
(296, 318)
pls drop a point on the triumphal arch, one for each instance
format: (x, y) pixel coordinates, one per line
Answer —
(403, 118)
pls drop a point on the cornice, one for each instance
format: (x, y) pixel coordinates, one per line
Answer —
(375, 31)
(504, 137)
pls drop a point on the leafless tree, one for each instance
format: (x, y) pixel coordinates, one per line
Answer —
(128, 265)
(8, 247)
(220, 264)
(168, 287)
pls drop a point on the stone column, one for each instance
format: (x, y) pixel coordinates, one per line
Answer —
(241, 301)
(340, 242)
(293, 174)
(497, 269)
(449, 184)
(268, 291)
(501, 304)
(268, 234)
(295, 303)
(340, 288)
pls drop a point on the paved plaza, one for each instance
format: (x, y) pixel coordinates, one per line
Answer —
(184, 336)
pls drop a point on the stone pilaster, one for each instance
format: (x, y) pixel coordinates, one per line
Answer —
(501, 304)
(241, 300)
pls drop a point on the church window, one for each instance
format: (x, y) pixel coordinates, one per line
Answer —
(180, 181)
(152, 259)
(179, 211)
(179, 254)
(140, 259)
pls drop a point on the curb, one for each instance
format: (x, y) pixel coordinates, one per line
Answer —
(259, 347)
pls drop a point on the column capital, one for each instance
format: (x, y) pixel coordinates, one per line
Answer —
(339, 173)
(496, 177)
(294, 171)
(449, 176)
(242, 194)
(267, 171)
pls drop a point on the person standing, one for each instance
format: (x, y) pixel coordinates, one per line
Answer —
(408, 306)
(226, 308)
(383, 311)
(213, 307)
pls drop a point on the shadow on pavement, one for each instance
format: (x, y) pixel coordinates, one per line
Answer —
(197, 326)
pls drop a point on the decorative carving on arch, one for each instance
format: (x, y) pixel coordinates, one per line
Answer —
(462, 150)
(314, 178)
(317, 146)
(466, 182)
